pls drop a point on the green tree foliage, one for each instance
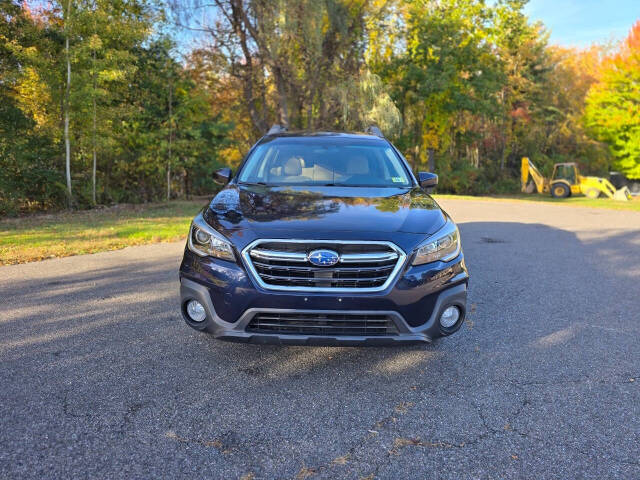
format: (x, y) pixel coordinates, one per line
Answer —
(29, 132)
(613, 105)
(194, 134)
(299, 63)
(478, 88)
(447, 74)
(463, 87)
(107, 31)
(128, 99)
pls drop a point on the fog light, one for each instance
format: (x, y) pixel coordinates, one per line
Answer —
(196, 312)
(449, 317)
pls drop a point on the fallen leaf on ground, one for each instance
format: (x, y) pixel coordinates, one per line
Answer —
(403, 407)
(305, 472)
(341, 460)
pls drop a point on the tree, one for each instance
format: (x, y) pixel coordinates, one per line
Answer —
(299, 63)
(561, 134)
(613, 105)
(170, 120)
(29, 110)
(107, 32)
(96, 100)
(523, 52)
(66, 106)
(448, 72)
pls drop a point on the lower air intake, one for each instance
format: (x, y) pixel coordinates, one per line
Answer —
(327, 324)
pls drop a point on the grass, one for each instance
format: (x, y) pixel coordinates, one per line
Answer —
(28, 239)
(38, 237)
(632, 205)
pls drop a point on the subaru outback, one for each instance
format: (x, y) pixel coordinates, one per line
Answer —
(324, 239)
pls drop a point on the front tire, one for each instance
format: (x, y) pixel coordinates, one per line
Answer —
(560, 190)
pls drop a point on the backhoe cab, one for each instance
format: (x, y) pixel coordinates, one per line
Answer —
(566, 181)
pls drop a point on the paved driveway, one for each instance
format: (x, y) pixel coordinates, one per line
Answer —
(100, 378)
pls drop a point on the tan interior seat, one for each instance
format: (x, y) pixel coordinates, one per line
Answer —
(293, 167)
(292, 170)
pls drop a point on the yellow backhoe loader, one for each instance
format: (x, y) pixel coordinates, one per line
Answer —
(566, 181)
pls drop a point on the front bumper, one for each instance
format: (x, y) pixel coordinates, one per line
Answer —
(236, 331)
(414, 302)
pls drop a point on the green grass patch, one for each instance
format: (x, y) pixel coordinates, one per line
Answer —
(38, 237)
(632, 205)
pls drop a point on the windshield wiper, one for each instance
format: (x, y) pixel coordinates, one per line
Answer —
(253, 183)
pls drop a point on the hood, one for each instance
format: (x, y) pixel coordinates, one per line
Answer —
(254, 211)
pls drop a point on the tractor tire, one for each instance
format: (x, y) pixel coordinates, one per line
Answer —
(592, 193)
(560, 190)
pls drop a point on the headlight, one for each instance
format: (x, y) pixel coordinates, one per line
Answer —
(443, 245)
(205, 241)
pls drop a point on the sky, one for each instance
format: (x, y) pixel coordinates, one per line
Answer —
(572, 23)
(579, 23)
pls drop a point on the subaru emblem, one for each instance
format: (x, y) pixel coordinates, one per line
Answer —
(323, 258)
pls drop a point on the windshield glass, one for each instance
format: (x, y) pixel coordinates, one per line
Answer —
(325, 161)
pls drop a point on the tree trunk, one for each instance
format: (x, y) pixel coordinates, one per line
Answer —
(170, 138)
(67, 141)
(237, 19)
(312, 96)
(168, 181)
(257, 122)
(283, 110)
(310, 115)
(432, 159)
(93, 172)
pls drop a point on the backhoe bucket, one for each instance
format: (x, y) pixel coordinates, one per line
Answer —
(623, 194)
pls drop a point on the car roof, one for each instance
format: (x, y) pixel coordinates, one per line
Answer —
(313, 134)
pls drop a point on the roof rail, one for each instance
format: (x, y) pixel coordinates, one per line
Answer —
(373, 130)
(276, 128)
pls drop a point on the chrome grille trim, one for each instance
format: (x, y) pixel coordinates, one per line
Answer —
(250, 252)
(368, 257)
(272, 255)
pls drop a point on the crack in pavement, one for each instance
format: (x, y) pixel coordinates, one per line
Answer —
(131, 411)
(216, 443)
(569, 446)
(386, 425)
(66, 408)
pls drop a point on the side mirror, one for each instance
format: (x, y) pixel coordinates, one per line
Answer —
(222, 176)
(427, 179)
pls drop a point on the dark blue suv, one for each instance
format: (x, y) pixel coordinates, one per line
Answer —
(324, 238)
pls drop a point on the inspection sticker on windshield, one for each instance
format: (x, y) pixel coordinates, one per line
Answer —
(396, 179)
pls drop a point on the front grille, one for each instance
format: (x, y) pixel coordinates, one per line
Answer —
(284, 265)
(341, 324)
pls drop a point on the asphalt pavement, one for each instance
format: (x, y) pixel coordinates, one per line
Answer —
(101, 378)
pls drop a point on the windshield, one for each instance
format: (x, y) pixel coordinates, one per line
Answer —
(325, 161)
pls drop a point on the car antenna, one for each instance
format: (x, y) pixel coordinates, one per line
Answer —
(373, 130)
(276, 128)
